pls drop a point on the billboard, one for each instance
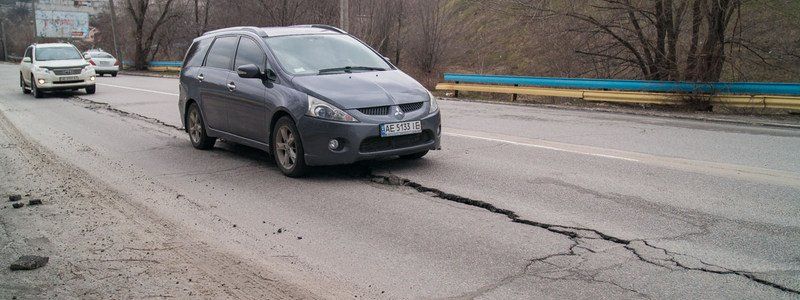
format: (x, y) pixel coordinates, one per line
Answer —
(62, 24)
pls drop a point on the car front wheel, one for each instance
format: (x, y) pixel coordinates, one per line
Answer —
(91, 89)
(196, 128)
(35, 90)
(25, 89)
(287, 148)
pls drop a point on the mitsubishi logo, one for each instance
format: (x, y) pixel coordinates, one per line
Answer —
(398, 113)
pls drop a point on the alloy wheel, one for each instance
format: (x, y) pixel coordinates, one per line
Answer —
(286, 147)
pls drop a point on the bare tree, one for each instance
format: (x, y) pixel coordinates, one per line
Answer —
(142, 12)
(430, 33)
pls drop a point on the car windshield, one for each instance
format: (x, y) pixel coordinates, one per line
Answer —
(100, 55)
(57, 53)
(324, 54)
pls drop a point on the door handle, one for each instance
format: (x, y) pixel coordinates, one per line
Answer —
(200, 77)
(231, 86)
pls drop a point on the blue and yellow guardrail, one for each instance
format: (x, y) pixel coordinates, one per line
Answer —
(161, 66)
(732, 94)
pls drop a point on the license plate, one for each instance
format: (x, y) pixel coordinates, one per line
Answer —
(395, 129)
(69, 78)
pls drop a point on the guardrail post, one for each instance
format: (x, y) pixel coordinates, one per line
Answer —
(514, 96)
(455, 92)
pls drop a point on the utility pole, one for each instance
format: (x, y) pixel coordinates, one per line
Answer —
(114, 30)
(344, 15)
(5, 44)
(33, 10)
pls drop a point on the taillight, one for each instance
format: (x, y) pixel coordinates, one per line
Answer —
(92, 62)
(116, 62)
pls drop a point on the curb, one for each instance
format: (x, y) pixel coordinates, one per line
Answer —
(148, 74)
(709, 119)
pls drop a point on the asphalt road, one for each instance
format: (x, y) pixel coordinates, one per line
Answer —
(521, 202)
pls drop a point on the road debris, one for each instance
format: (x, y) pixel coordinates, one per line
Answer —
(35, 202)
(29, 262)
(14, 198)
(18, 205)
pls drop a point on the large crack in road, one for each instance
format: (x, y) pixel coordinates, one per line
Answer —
(576, 234)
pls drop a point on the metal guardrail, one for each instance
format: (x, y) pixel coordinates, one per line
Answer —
(744, 94)
(747, 88)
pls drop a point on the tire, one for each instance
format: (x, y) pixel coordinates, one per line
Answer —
(417, 155)
(25, 89)
(114, 74)
(91, 89)
(196, 128)
(287, 148)
(35, 90)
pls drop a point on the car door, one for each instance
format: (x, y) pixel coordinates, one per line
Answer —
(247, 110)
(25, 67)
(213, 78)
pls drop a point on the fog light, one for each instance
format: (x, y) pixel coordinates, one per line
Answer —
(41, 81)
(333, 144)
(91, 78)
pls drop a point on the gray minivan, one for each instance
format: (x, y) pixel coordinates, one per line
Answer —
(310, 95)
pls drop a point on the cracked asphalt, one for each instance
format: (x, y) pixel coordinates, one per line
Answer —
(522, 202)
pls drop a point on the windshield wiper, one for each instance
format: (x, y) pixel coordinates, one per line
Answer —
(350, 69)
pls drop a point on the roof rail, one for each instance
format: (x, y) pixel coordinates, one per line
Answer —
(252, 29)
(323, 26)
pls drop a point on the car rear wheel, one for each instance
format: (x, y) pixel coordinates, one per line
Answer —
(287, 148)
(25, 89)
(114, 74)
(35, 90)
(417, 155)
(196, 128)
(91, 89)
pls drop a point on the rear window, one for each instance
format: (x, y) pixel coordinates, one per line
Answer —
(221, 53)
(100, 55)
(194, 58)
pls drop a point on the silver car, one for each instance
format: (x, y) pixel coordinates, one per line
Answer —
(103, 62)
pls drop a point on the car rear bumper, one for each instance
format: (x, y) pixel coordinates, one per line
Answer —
(362, 141)
(106, 70)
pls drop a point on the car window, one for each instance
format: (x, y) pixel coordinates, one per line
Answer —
(100, 55)
(308, 54)
(57, 53)
(249, 53)
(196, 54)
(28, 52)
(222, 52)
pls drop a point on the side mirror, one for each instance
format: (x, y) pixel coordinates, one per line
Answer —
(26, 59)
(249, 71)
(271, 76)
(87, 56)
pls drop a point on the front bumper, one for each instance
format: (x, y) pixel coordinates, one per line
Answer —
(50, 81)
(362, 141)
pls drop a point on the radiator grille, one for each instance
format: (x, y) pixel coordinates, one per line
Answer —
(70, 71)
(409, 107)
(375, 111)
(376, 144)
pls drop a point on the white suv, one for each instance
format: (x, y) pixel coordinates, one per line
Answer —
(57, 66)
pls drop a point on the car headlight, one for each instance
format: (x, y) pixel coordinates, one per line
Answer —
(434, 104)
(323, 110)
(39, 69)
